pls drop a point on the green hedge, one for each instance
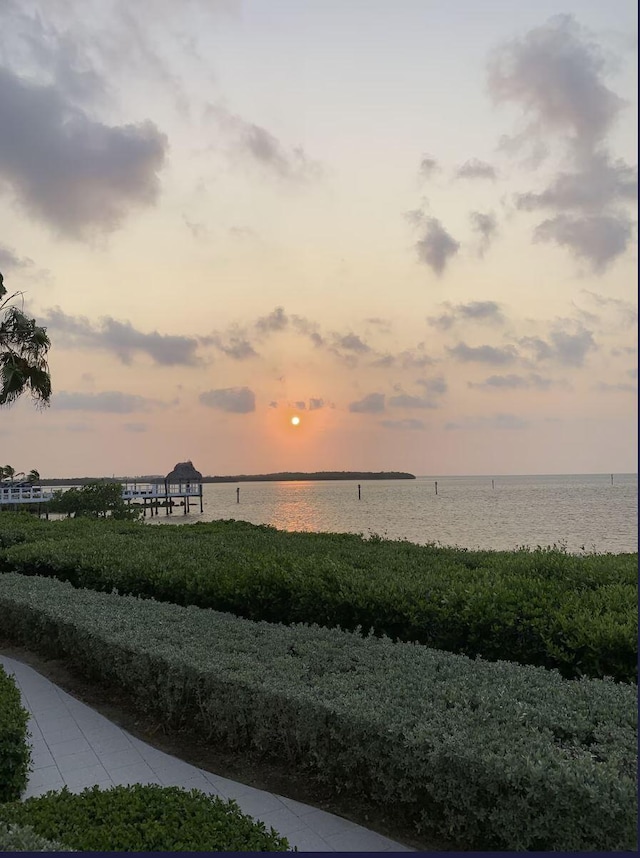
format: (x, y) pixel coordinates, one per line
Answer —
(22, 838)
(143, 819)
(15, 752)
(542, 607)
(485, 755)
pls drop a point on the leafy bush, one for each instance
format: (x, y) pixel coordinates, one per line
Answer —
(22, 838)
(94, 500)
(143, 819)
(15, 753)
(535, 607)
(487, 755)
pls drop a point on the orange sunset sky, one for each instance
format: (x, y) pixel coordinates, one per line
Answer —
(410, 224)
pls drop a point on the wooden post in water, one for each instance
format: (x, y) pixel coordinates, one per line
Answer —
(358, 491)
(436, 487)
(201, 510)
(492, 484)
(611, 479)
(238, 495)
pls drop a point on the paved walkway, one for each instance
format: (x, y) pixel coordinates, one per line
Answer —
(75, 745)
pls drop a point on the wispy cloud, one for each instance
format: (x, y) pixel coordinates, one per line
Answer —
(474, 311)
(110, 401)
(373, 403)
(436, 246)
(484, 354)
(233, 400)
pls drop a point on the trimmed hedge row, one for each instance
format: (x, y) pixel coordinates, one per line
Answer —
(15, 752)
(143, 819)
(544, 607)
(484, 755)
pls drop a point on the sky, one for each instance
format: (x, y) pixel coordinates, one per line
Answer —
(410, 223)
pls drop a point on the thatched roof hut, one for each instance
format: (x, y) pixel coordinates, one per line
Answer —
(184, 474)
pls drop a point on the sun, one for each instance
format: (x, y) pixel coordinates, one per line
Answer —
(295, 421)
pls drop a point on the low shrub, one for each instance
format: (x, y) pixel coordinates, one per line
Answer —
(15, 752)
(143, 819)
(534, 607)
(22, 838)
(488, 755)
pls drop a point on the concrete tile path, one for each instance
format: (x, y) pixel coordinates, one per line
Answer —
(74, 745)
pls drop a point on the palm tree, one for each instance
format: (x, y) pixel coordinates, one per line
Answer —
(33, 476)
(7, 472)
(23, 355)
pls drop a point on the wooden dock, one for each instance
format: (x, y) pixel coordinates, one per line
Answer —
(151, 496)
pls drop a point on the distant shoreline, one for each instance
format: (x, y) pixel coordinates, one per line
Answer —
(284, 476)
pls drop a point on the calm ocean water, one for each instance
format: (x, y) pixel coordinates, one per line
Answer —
(583, 512)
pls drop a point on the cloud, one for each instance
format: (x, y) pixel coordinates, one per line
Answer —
(600, 183)
(617, 388)
(486, 225)
(9, 261)
(259, 146)
(373, 403)
(554, 74)
(498, 421)
(434, 386)
(476, 311)
(111, 401)
(308, 329)
(436, 246)
(599, 239)
(75, 174)
(512, 382)
(567, 349)
(626, 313)
(123, 340)
(277, 320)
(408, 423)
(428, 167)
(405, 400)
(484, 354)
(315, 404)
(351, 342)
(234, 400)
(238, 348)
(476, 169)
(135, 427)
(301, 405)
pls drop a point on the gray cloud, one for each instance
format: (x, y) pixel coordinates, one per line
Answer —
(567, 349)
(436, 246)
(373, 403)
(123, 340)
(301, 405)
(277, 320)
(486, 225)
(617, 388)
(351, 342)
(77, 175)
(598, 238)
(600, 183)
(308, 329)
(135, 427)
(435, 386)
(111, 401)
(512, 382)
(428, 167)
(476, 311)
(234, 400)
(498, 421)
(626, 313)
(9, 261)
(406, 400)
(484, 354)
(315, 404)
(238, 348)
(261, 147)
(476, 169)
(556, 75)
(408, 423)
